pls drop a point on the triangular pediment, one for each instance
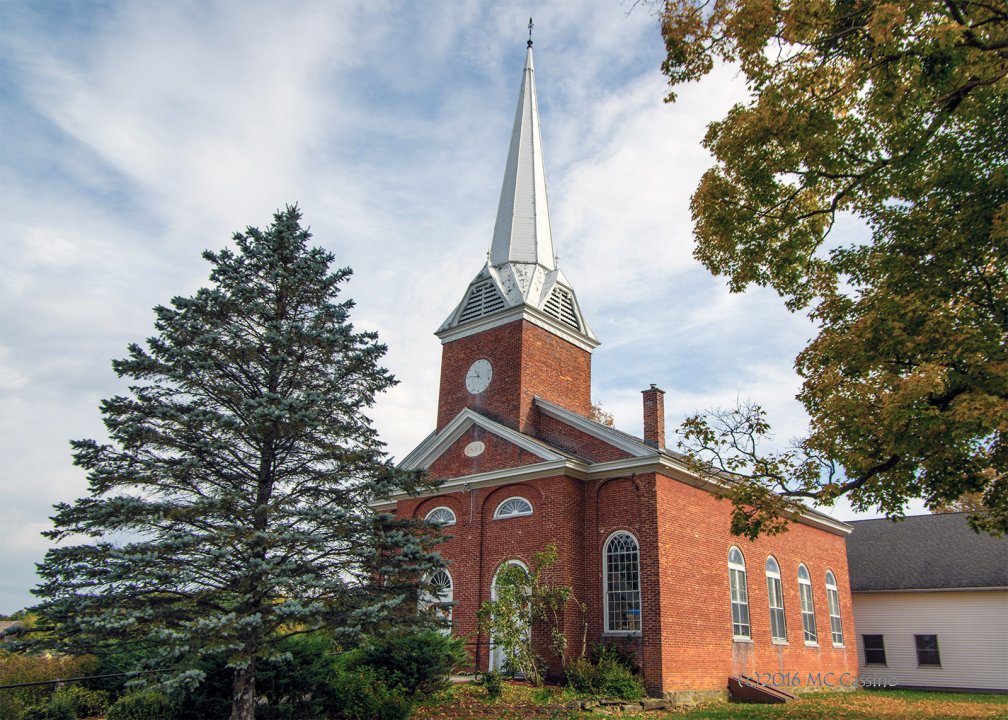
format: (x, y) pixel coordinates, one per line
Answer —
(437, 444)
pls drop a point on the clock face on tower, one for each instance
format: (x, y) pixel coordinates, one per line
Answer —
(479, 376)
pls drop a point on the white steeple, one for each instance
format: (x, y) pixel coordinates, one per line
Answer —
(521, 278)
(522, 232)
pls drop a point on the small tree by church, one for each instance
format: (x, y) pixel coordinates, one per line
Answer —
(230, 507)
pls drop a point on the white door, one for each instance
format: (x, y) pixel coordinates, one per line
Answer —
(496, 652)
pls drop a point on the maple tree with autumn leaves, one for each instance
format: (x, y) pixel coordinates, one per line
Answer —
(895, 115)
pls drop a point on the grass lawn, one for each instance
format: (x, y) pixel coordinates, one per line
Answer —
(468, 702)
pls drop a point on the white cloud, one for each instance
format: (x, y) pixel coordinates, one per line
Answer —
(137, 134)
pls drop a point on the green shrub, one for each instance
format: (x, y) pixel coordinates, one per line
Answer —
(606, 678)
(610, 650)
(582, 675)
(21, 667)
(421, 663)
(55, 709)
(614, 680)
(85, 702)
(493, 684)
(360, 693)
(142, 705)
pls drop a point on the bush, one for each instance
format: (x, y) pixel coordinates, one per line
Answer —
(420, 663)
(614, 680)
(611, 651)
(55, 709)
(85, 702)
(493, 684)
(360, 693)
(24, 668)
(142, 705)
(606, 678)
(581, 675)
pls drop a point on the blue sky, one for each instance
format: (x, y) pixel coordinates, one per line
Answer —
(133, 135)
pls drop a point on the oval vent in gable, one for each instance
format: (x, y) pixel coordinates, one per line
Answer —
(483, 299)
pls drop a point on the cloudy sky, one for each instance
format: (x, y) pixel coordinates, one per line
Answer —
(136, 134)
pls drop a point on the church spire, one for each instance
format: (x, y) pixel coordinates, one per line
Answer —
(521, 279)
(522, 232)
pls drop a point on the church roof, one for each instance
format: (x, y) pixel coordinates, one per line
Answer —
(521, 278)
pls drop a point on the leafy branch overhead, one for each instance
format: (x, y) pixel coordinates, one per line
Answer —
(231, 505)
(866, 181)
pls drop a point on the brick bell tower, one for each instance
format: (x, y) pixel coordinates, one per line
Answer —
(518, 333)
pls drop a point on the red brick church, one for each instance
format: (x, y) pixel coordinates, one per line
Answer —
(641, 539)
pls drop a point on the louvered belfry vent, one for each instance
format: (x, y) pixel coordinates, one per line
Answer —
(483, 300)
(560, 304)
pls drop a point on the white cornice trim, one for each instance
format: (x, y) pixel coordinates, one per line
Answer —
(636, 448)
(519, 312)
(436, 443)
(663, 464)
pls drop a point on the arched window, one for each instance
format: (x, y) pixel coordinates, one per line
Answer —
(833, 600)
(513, 507)
(622, 584)
(441, 516)
(439, 594)
(739, 595)
(807, 606)
(775, 595)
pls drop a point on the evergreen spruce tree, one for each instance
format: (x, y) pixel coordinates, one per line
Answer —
(232, 505)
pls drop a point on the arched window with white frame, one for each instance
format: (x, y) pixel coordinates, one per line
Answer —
(441, 516)
(775, 597)
(807, 606)
(833, 600)
(739, 595)
(621, 570)
(439, 596)
(513, 507)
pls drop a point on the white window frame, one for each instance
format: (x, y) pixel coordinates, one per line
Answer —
(444, 602)
(447, 509)
(738, 594)
(775, 589)
(833, 601)
(607, 628)
(807, 607)
(497, 513)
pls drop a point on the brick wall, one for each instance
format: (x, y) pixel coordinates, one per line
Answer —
(497, 455)
(528, 361)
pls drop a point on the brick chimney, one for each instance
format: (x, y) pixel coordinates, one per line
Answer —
(654, 416)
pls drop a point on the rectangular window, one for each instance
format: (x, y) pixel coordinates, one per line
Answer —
(807, 612)
(739, 604)
(778, 625)
(874, 649)
(927, 649)
(836, 629)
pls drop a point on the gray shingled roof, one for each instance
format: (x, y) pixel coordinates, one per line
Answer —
(924, 551)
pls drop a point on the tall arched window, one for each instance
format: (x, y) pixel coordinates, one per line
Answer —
(775, 595)
(438, 595)
(499, 655)
(513, 507)
(622, 584)
(441, 516)
(739, 595)
(807, 606)
(833, 600)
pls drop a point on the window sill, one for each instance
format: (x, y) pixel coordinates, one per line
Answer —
(743, 640)
(783, 643)
(811, 644)
(839, 645)
(621, 633)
